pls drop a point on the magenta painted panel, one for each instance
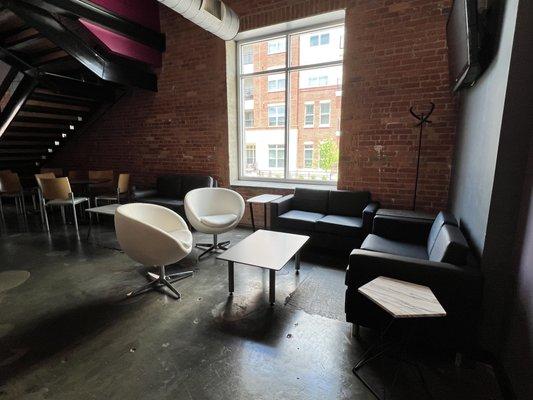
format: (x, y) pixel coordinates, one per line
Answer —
(144, 12)
(123, 45)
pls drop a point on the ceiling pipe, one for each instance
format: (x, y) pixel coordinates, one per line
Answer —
(212, 15)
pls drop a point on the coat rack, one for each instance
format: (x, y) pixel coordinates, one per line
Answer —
(423, 119)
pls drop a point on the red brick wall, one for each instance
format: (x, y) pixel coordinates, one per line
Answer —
(394, 58)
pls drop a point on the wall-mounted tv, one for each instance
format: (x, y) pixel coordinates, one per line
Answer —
(463, 44)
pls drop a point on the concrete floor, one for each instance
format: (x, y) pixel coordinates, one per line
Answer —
(67, 331)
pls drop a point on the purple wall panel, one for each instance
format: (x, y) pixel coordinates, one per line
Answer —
(144, 12)
(124, 46)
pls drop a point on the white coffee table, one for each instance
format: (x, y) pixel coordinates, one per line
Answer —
(265, 249)
(108, 209)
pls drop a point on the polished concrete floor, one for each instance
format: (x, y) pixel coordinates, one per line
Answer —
(67, 331)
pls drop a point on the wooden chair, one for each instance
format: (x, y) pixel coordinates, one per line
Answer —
(122, 190)
(10, 187)
(58, 172)
(57, 192)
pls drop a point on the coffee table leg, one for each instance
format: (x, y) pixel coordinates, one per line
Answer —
(231, 277)
(297, 262)
(272, 287)
(252, 216)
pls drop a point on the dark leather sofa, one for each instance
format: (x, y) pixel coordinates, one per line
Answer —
(333, 219)
(171, 189)
(430, 253)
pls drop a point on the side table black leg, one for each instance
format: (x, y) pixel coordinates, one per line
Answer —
(252, 216)
(90, 227)
(231, 277)
(265, 211)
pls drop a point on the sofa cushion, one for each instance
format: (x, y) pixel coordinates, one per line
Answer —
(450, 246)
(340, 225)
(299, 220)
(191, 182)
(169, 186)
(173, 204)
(343, 202)
(441, 219)
(383, 245)
(311, 200)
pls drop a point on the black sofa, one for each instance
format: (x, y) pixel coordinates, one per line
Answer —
(334, 219)
(171, 189)
(432, 253)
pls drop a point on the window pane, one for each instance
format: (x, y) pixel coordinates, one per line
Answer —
(314, 47)
(315, 112)
(263, 126)
(263, 55)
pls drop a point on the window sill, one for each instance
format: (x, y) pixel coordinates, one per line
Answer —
(283, 185)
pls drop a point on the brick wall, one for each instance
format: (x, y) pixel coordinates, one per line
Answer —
(394, 57)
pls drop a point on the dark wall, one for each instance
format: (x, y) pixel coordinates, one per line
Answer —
(491, 191)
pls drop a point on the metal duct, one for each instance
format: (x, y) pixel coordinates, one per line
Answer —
(212, 15)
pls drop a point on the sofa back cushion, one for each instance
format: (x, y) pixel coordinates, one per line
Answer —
(450, 246)
(191, 182)
(351, 204)
(312, 200)
(441, 219)
(169, 186)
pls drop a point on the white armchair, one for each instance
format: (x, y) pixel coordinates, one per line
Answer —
(213, 211)
(153, 236)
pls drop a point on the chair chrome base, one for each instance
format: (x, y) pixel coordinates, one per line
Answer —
(212, 247)
(162, 280)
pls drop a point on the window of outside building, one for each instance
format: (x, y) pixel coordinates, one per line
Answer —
(276, 46)
(325, 113)
(276, 155)
(309, 118)
(294, 88)
(276, 115)
(249, 118)
(308, 155)
(276, 83)
(247, 56)
(319, 40)
(250, 155)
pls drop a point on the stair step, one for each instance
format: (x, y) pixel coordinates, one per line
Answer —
(55, 98)
(47, 117)
(41, 91)
(29, 132)
(53, 107)
(38, 125)
(25, 143)
(36, 150)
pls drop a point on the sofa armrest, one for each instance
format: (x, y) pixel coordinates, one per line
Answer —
(368, 216)
(280, 206)
(410, 230)
(139, 194)
(452, 284)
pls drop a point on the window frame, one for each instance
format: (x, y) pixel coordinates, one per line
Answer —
(278, 148)
(278, 115)
(312, 115)
(287, 69)
(308, 147)
(320, 124)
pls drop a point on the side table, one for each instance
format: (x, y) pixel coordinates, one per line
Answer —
(261, 199)
(402, 300)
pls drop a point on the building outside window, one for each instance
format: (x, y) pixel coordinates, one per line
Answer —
(249, 118)
(250, 155)
(308, 155)
(276, 46)
(276, 155)
(325, 113)
(276, 115)
(290, 105)
(309, 118)
(276, 83)
(247, 56)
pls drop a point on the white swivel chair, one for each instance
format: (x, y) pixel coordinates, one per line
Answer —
(213, 211)
(155, 237)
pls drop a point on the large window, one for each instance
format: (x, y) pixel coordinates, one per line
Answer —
(290, 105)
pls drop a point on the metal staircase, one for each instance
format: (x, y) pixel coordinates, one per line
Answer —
(56, 79)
